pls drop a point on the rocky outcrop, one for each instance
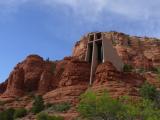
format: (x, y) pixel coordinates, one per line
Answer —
(15, 83)
(79, 50)
(67, 79)
(45, 82)
(76, 73)
(3, 87)
(141, 52)
(68, 94)
(73, 82)
(116, 83)
(29, 76)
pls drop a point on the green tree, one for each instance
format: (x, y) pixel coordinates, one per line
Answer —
(87, 106)
(7, 114)
(127, 68)
(148, 91)
(21, 112)
(38, 104)
(102, 107)
(94, 107)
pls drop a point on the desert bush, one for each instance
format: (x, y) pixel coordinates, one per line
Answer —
(31, 95)
(7, 114)
(148, 91)
(55, 118)
(127, 68)
(48, 105)
(42, 116)
(141, 70)
(158, 74)
(114, 42)
(61, 107)
(45, 116)
(155, 70)
(102, 107)
(38, 104)
(19, 113)
(53, 67)
(2, 103)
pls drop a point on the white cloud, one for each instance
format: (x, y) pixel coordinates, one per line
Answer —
(10, 6)
(92, 9)
(133, 9)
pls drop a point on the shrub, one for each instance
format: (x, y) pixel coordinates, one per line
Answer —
(158, 77)
(7, 114)
(38, 104)
(42, 116)
(53, 67)
(148, 111)
(31, 95)
(114, 42)
(21, 112)
(62, 107)
(102, 107)
(2, 103)
(141, 70)
(148, 91)
(48, 60)
(127, 68)
(48, 105)
(56, 118)
(45, 116)
(95, 107)
(156, 70)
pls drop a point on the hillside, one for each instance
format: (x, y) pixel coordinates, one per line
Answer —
(65, 80)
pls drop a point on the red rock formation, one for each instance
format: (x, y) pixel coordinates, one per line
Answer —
(28, 76)
(65, 80)
(76, 72)
(73, 81)
(80, 48)
(3, 86)
(33, 67)
(142, 62)
(116, 83)
(129, 48)
(15, 83)
(45, 82)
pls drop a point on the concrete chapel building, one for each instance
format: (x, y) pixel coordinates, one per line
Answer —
(99, 50)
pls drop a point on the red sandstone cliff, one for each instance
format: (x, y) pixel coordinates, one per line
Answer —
(27, 76)
(65, 80)
(141, 52)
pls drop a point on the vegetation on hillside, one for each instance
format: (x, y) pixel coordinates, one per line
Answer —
(102, 107)
(127, 68)
(45, 116)
(38, 104)
(19, 113)
(59, 107)
(12, 114)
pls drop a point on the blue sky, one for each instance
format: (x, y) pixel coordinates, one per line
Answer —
(51, 27)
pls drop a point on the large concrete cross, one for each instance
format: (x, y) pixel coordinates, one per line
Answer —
(100, 50)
